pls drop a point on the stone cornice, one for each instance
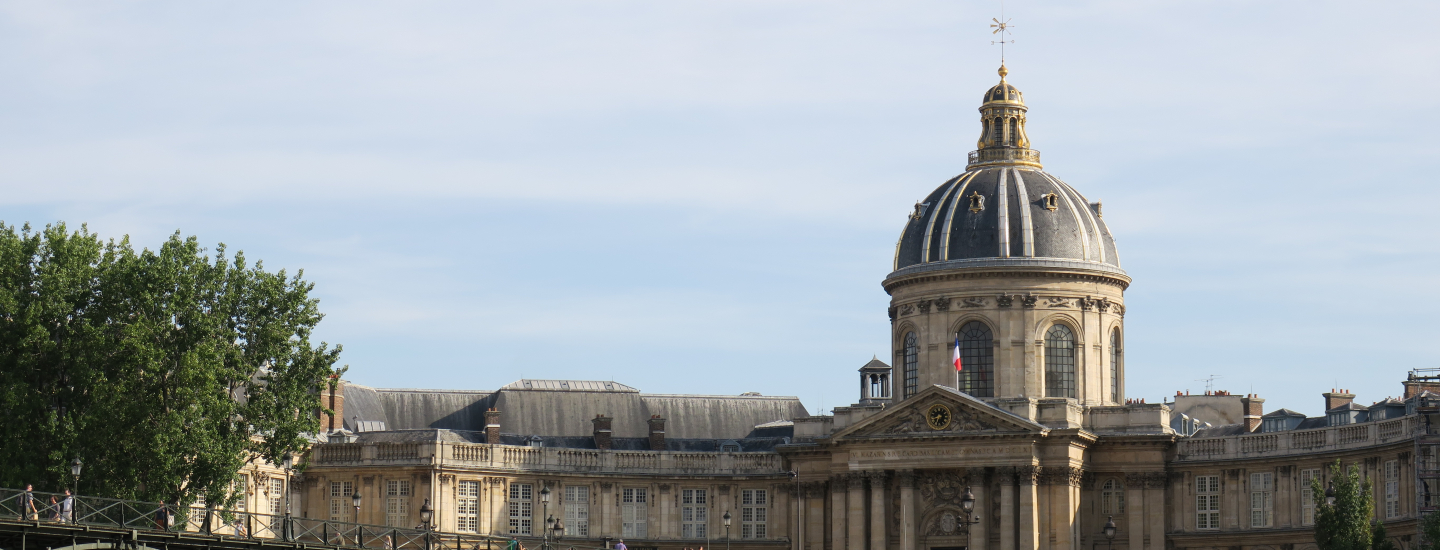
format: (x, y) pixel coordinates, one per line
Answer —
(1007, 268)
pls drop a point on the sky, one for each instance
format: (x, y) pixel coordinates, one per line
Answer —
(703, 197)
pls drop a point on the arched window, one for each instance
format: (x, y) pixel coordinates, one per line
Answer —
(1060, 362)
(977, 356)
(1112, 498)
(1116, 356)
(912, 364)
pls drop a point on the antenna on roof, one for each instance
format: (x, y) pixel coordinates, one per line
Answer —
(1210, 382)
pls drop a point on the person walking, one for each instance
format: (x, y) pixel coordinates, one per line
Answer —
(620, 545)
(27, 504)
(514, 544)
(67, 508)
(162, 517)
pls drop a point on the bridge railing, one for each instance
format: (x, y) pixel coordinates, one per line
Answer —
(154, 516)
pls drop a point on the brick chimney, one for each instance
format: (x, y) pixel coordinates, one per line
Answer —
(492, 426)
(1254, 408)
(657, 433)
(333, 398)
(1338, 399)
(602, 431)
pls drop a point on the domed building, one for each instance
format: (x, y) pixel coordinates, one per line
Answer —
(1018, 268)
(1002, 425)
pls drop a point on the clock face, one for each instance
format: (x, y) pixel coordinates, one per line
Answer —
(938, 417)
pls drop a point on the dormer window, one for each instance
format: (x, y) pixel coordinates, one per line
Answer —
(1338, 418)
(730, 446)
(1051, 201)
(977, 202)
(536, 442)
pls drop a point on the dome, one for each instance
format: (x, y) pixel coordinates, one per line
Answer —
(1016, 214)
(1005, 210)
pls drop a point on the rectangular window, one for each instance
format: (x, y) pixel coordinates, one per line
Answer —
(633, 513)
(340, 492)
(467, 507)
(1307, 496)
(754, 508)
(1392, 489)
(1207, 502)
(1262, 499)
(1112, 498)
(577, 511)
(397, 502)
(694, 514)
(277, 496)
(520, 508)
(241, 486)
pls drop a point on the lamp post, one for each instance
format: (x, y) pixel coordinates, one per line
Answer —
(1330, 494)
(288, 463)
(1109, 532)
(75, 466)
(425, 514)
(726, 520)
(355, 501)
(545, 512)
(967, 504)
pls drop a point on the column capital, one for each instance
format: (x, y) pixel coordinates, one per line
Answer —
(1006, 474)
(905, 478)
(857, 480)
(1028, 475)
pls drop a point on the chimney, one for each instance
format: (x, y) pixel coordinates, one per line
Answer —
(1254, 408)
(335, 401)
(602, 431)
(1338, 399)
(492, 426)
(657, 433)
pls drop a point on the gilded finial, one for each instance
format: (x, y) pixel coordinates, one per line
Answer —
(1003, 71)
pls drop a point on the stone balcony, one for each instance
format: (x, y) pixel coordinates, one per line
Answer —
(512, 458)
(1294, 442)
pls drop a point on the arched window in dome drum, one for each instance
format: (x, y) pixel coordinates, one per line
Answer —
(977, 357)
(912, 364)
(1059, 362)
(1116, 356)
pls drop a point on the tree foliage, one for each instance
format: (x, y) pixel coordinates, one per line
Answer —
(1346, 524)
(1379, 540)
(1429, 532)
(165, 371)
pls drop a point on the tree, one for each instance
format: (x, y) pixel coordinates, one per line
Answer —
(1379, 540)
(1344, 525)
(165, 371)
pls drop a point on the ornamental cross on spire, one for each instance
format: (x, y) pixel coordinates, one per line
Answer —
(1002, 28)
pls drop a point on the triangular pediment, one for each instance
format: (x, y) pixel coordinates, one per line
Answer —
(939, 410)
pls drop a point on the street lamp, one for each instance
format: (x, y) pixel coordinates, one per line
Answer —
(355, 501)
(726, 519)
(425, 514)
(75, 471)
(545, 511)
(288, 463)
(1109, 532)
(1330, 494)
(967, 504)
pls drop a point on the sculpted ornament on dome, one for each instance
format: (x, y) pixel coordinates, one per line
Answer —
(977, 202)
(1057, 301)
(923, 306)
(942, 304)
(907, 309)
(972, 302)
(1086, 303)
(1003, 300)
(1029, 301)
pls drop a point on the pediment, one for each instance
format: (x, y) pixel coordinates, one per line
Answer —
(916, 417)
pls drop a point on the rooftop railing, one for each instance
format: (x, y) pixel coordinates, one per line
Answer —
(1258, 445)
(548, 459)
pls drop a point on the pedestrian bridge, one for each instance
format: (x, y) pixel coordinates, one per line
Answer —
(96, 523)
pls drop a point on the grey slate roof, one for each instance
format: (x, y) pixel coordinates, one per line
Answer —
(954, 231)
(552, 410)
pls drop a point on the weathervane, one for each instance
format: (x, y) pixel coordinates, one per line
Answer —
(1002, 28)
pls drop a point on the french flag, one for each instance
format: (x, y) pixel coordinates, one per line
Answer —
(957, 354)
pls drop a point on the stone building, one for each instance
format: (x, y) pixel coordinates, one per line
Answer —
(1006, 269)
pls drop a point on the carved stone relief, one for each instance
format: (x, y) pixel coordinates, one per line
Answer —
(923, 306)
(1086, 303)
(1057, 301)
(907, 309)
(942, 304)
(1003, 300)
(942, 487)
(976, 302)
(962, 420)
(1029, 301)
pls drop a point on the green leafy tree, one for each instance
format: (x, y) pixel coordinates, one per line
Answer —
(1344, 525)
(1430, 532)
(1379, 540)
(164, 370)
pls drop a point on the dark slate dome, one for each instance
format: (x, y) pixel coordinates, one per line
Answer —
(1006, 213)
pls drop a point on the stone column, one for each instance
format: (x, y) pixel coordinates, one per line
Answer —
(1135, 510)
(837, 512)
(855, 518)
(1007, 508)
(798, 530)
(1155, 509)
(1029, 527)
(906, 481)
(877, 510)
(979, 535)
(815, 515)
(1064, 482)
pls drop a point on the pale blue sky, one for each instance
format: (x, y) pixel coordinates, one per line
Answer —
(703, 197)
